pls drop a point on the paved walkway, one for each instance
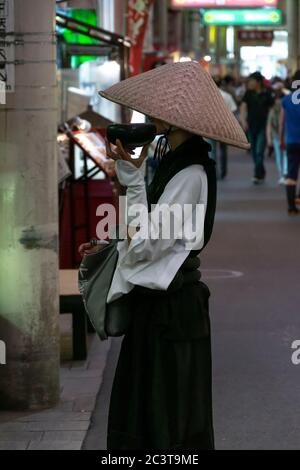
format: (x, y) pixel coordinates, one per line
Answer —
(252, 267)
(65, 426)
(255, 317)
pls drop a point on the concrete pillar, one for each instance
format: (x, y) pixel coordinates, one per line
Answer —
(293, 17)
(29, 216)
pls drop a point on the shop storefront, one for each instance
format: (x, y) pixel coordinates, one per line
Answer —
(270, 60)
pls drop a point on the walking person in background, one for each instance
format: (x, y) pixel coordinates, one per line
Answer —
(229, 86)
(231, 104)
(290, 139)
(241, 88)
(273, 133)
(254, 116)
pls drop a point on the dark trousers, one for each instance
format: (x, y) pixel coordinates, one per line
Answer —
(222, 161)
(258, 146)
(293, 153)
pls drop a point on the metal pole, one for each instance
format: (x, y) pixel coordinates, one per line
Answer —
(29, 294)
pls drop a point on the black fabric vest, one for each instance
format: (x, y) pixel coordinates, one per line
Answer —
(192, 151)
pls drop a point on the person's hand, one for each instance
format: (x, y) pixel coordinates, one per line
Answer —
(89, 249)
(118, 152)
(109, 167)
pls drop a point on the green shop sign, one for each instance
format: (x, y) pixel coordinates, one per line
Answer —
(242, 17)
(71, 37)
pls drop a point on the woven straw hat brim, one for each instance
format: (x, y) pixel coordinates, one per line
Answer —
(183, 95)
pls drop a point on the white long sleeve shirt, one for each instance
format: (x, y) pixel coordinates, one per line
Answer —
(153, 263)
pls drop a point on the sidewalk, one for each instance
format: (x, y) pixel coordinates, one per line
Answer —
(65, 426)
(252, 268)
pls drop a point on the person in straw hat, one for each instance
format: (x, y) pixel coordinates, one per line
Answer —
(162, 394)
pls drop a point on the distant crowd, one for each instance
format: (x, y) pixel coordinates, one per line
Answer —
(269, 112)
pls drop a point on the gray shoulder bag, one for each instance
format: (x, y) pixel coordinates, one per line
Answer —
(95, 276)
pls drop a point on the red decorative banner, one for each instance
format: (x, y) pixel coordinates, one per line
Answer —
(137, 21)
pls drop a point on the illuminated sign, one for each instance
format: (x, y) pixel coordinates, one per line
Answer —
(223, 3)
(242, 17)
(255, 35)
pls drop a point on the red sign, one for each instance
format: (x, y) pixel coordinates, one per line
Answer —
(137, 20)
(223, 3)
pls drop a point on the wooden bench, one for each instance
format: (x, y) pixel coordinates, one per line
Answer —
(71, 302)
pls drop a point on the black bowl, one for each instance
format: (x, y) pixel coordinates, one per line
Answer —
(131, 135)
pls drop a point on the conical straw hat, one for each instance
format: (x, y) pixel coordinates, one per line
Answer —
(184, 95)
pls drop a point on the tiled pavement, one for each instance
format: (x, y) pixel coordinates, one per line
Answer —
(65, 426)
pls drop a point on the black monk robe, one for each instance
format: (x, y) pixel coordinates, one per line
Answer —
(162, 394)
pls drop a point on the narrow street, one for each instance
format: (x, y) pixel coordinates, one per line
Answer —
(252, 267)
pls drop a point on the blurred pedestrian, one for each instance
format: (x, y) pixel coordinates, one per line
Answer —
(241, 88)
(229, 86)
(254, 116)
(290, 139)
(222, 167)
(273, 132)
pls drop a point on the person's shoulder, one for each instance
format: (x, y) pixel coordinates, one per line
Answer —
(285, 100)
(192, 172)
(268, 97)
(187, 185)
(224, 93)
(247, 95)
(268, 93)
